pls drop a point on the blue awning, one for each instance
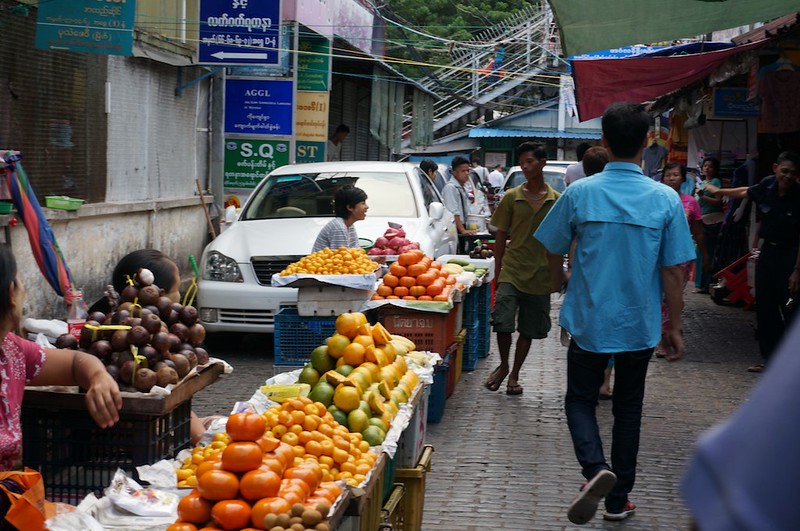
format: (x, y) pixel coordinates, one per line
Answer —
(489, 132)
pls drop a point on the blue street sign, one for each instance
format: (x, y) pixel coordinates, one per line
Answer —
(86, 26)
(239, 32)
(260, 106)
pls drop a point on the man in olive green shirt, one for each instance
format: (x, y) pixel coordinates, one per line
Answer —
(524, 282)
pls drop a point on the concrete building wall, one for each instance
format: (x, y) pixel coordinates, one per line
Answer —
(94, 238)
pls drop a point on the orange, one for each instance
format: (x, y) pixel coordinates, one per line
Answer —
(364, 340)
(346, 398)
(347, 325)
(336, 345)
(353, 354)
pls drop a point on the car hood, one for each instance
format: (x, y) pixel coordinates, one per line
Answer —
(295, 236)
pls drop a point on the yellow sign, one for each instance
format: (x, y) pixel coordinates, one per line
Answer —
(312, 116)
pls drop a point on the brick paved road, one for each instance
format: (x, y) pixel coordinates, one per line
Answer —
(504, 462)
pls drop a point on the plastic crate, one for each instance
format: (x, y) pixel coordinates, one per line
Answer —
(394, 508)
(413, 481)
(470, 307)
(450, 356)
(412, 440)
(388, 477)
(438, 392)
(6, 207)
(296, 337)
(368, 504)
(62, 202)
(431, 331)
(470, 356)
(484, 339)
(76, 457)
(461, 337)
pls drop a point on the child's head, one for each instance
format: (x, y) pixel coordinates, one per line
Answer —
(164, 269)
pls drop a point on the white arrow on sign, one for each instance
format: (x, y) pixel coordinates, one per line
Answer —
(234, 55)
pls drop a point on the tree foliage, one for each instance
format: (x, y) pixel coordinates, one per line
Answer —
(455, 21)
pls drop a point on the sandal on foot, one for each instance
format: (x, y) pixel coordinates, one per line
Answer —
(756, 368)
(515, 389)
(495, 379)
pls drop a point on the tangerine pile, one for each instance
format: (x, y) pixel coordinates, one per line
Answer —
(341, 261)
(260, 481)
(415, 276)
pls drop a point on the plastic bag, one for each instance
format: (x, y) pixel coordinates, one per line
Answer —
(27, 507)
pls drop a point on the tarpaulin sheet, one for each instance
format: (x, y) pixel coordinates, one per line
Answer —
(600, 82)
(591, 26)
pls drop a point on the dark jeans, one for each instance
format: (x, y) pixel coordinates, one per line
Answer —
(773, 269)
(584, 378)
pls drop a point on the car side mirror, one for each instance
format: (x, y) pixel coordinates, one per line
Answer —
(436, 210)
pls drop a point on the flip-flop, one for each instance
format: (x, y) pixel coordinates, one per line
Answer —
(515, 389)
(493, 382)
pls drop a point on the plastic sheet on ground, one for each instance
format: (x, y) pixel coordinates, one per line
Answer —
(309, 281)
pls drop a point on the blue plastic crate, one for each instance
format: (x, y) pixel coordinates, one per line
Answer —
(296, 337)
(438, 397)
(484, 339)
(470, 355)
(484, 303)
(470, 306)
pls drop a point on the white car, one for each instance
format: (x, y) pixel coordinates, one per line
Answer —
(281, 220)
(553, 175)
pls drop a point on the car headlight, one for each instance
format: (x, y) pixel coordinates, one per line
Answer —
(221, 268)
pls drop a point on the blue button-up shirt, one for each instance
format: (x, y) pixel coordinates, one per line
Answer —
(627, 227)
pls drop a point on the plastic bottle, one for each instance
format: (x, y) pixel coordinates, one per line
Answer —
(77, 313)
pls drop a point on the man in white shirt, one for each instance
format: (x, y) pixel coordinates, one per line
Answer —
(480, 171)
(455, 195)
(496, 177)
(334, 147)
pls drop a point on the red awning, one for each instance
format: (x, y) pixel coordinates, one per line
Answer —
(600, 82)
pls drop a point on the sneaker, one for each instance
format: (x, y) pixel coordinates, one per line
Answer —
(627, 511)
(585, 504)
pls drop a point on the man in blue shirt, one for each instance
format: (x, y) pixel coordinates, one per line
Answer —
(631, 237)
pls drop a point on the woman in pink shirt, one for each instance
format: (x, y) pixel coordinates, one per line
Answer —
(23, 362)
(674, 176)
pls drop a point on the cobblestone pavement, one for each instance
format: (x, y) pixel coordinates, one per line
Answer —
(506, 462)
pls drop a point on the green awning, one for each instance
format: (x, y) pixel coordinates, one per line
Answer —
(592, 25)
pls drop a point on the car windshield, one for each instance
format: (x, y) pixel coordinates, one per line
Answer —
(553, 178)
(310, 195)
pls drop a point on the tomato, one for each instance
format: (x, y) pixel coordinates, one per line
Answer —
(231, 514)
(218, 485)
(400, 291)
(426, 279)
(246, 426)
(398, 270)
(182, 526)
(242, 456)
(258, 484)
(416, 291)
(194, 508)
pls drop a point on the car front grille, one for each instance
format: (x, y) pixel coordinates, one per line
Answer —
(266, 266)
(248, 317)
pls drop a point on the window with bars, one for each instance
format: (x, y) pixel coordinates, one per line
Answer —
(51, 109)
